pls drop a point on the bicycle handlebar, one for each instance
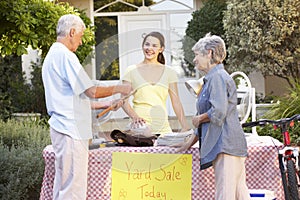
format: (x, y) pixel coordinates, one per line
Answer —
(278, 122)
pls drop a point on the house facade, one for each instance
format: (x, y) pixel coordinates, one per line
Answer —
(167, 16)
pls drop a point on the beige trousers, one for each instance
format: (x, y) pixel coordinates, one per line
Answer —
(230, 178)
(71, 165)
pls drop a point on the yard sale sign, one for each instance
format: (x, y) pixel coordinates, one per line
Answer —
(146, 176)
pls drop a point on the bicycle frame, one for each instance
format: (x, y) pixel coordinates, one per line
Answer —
(288, 156)
(289, 153)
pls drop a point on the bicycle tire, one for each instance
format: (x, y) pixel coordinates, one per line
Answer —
(283, 178)
(299, 168)
(292, 180)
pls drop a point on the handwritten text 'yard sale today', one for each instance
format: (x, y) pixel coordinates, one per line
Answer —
(148, 176)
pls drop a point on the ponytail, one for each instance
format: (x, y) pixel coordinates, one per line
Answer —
(161, 58)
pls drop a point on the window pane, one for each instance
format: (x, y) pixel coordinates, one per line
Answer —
(107, 50)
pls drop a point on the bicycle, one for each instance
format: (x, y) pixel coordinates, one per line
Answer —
(288, 156)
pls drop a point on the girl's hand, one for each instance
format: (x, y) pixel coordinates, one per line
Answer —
(137, 122)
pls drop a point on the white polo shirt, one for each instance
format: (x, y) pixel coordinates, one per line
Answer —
(65, 81)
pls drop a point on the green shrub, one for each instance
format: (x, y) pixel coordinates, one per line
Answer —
(11, 75)
(287, 106)
(31, 23)
(269, 130)
(16, 94)
(263, 36)
(208, 19)
(21, 161)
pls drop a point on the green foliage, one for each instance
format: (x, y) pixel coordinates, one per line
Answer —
(36, 101)
(287, 106)
(293, 131)
(16, 94)
(85, 51)
(11, 75)
(264, 36)
(33, 23)
(208, 19)
(21, 162)
(5, 105)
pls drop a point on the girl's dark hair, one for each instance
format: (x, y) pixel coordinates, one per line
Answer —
(160, 37)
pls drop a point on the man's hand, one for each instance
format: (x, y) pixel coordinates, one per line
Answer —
(105, 91)
(116, 104)
(124, 89)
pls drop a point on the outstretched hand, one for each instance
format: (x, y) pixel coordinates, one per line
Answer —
(116, 104)
(186, 145)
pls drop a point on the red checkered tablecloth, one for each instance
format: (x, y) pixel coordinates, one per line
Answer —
(261, 170)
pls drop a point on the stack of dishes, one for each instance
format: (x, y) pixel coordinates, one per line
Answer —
(173, 139)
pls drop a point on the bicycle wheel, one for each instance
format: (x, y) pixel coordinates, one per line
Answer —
(283, 177)
(292, 180)
(299, 167)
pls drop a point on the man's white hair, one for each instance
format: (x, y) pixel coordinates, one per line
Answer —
(67, 22)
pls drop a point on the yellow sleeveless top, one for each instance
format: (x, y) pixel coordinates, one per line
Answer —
(149, 101)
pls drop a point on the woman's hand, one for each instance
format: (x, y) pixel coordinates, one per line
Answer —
(188, 144)
(199, 119)
(184, 129)
(196, 120)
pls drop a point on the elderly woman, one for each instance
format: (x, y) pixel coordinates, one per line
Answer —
(223, 143)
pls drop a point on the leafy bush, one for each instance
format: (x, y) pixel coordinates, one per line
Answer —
(208, 19)
(31, 23)
(18, 95)
(264, 36)
(269, 131)
(11, 74)
(21, 162)
(287, 106)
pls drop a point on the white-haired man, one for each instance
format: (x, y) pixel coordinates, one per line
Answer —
(68, 90)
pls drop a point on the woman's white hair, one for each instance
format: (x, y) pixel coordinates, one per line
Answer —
(67, 22)
(214, 43)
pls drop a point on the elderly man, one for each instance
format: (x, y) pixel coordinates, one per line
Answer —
(67, 90)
